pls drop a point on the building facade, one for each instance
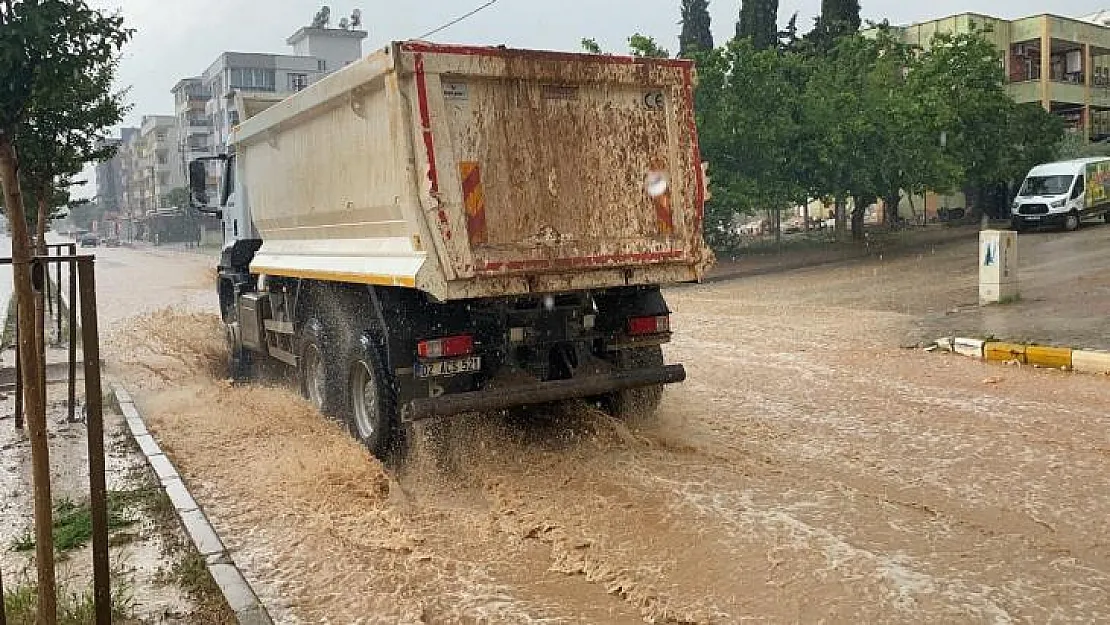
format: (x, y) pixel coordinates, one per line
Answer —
(318, 52)
(193, 125)
(1061, 63)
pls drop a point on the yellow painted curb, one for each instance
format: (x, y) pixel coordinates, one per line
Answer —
(1086, 361)
(1052, 357)
(1004, 352)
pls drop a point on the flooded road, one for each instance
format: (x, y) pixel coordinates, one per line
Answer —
(809, 470)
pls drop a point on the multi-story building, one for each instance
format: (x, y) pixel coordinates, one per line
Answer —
(1061, 63)
(274, 74)
(154, 174)
(194, 127)
(109, 177)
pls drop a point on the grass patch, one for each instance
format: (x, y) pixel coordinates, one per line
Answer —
(21, 605)
(73, 524)
(187, 568)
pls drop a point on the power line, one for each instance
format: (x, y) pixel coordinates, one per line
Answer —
(459, 19)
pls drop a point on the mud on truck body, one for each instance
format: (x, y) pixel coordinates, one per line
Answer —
(435, 230)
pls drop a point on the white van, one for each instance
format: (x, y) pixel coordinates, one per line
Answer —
(1063, 194)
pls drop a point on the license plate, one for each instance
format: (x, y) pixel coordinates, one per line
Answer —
(1034, 217)
(448, 367)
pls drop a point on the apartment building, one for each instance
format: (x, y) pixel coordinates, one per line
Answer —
(1061, 63)
(274, 74)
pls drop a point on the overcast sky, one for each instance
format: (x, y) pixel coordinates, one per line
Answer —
(180, 38)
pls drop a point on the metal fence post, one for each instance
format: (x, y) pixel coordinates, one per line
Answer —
(18, 379)
(58, 284)
(72, 335)
(102, 591)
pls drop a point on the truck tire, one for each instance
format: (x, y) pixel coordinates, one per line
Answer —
(638, 404)
(1106, 216)
(319, 371)
(1071, 222)
(372, 417)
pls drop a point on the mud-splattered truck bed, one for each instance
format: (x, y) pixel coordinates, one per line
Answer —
(478, 227)
(470, 172)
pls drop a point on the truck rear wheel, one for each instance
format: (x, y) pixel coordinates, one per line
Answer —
(319, 371)
(638, 404)
(373, 414)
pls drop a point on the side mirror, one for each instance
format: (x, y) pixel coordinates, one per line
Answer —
(198, 184)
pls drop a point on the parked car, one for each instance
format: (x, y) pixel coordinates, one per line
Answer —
(111, 242)
(89, 240)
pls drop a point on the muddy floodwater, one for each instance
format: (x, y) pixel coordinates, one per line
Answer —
(809, 470)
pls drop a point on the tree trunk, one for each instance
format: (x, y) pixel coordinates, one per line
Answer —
(858, 214)
(40, 224)
(841, 217)
(32, 369)
(776, 223)
(805, 217)
(891, 204)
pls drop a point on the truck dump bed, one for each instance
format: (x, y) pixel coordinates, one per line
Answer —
(477, 172)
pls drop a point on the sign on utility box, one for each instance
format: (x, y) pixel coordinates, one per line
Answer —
(998, 258)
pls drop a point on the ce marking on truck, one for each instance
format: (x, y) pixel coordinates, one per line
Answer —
(655, 100)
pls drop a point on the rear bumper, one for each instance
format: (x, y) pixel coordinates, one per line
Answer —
(540, 392)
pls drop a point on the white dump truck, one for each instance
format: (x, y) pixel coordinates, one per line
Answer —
(436, 229)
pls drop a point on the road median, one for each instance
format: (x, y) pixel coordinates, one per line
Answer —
(1043, 356)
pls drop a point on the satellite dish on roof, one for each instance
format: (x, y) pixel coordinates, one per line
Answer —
(356, 18)
(344, 23)
(322, 18)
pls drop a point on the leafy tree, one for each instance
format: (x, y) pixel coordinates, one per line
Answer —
(696, 34)
(838, 18)
(748, 106)
(178, 198)
(591, 46)
(63, 133)
(788, 37)
(45, 46)
(759, 22)
(960, 78)
(646, 47)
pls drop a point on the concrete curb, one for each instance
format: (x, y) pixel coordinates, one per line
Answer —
(1078, 360)
(240, 597)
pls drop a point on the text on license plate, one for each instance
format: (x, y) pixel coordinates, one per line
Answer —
(448, 367)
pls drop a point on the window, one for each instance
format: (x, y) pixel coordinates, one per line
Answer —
(252, 79)
(1079, 187)
(160, 135)
(322, 65)
(298, 82)
(233, 118)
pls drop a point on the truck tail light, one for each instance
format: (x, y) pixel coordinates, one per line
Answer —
(446, 347)
(640, 326)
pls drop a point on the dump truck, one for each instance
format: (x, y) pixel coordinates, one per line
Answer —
(437, 229)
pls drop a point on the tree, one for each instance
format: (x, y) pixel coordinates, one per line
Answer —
(788, 37)
(45, 45)
(961, 79)
(178, 198)
(759, 22)
(63, 133)
(748, 107)
(645, 47)
(591, 46)
(697, 33)
(838, 18)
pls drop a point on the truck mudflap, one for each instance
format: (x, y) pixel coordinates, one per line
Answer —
(540, 392)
